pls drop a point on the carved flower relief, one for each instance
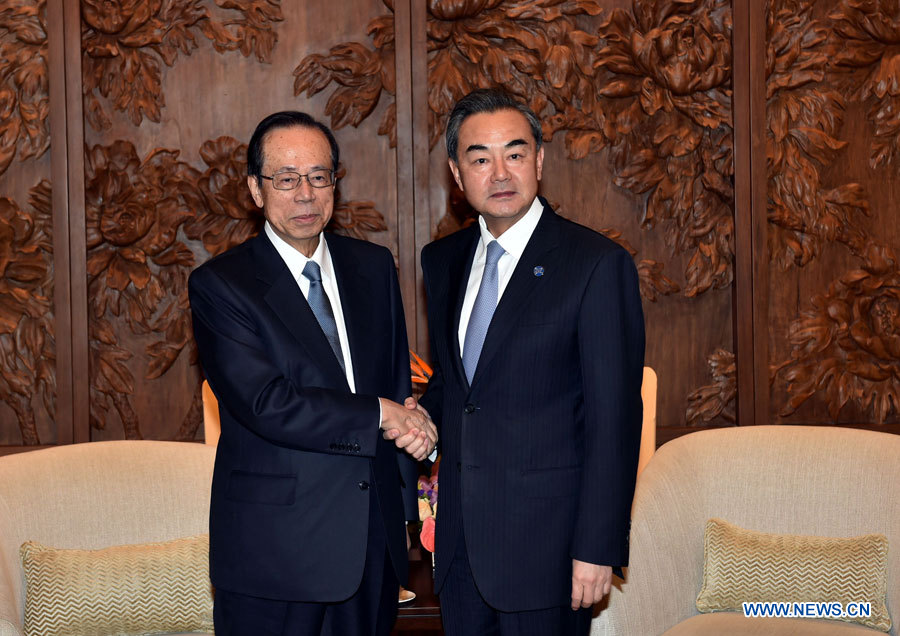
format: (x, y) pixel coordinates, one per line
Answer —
(848, 345)
(666, 114)
(129, 222)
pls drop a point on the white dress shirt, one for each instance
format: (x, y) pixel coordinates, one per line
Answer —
(513, 241)
(296, 261)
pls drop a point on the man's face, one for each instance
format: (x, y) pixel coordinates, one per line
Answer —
(299, 215)
(498, 166)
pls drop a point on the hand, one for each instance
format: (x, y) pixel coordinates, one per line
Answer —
(590, 583)
(409, 426)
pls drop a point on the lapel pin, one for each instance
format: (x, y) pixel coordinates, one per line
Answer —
(539, 271)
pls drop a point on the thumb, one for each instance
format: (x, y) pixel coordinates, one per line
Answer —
(410, 403)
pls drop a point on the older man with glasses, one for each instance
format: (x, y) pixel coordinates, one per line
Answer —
(302, 336)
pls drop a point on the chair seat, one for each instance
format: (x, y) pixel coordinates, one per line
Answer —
(736, 624)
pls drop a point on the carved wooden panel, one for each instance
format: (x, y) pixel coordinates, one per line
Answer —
(832, 108)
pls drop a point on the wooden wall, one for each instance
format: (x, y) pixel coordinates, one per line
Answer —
(745, 152)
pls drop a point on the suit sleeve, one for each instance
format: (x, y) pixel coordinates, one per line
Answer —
(238, 365)
(611, 348)
(432, 400)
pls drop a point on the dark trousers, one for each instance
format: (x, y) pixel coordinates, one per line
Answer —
(371, 611)
(464, 611)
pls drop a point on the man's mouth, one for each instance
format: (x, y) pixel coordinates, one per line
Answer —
(503, 195)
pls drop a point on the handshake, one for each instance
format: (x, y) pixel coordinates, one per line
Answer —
(410, 426)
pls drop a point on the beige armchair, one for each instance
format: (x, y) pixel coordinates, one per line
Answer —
(824, 481)
(96, 495)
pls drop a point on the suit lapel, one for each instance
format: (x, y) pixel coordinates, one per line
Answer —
(287, 301)
(539, 252)
(357, 302)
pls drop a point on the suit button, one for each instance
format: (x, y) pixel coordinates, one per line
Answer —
(363, 485)
(356, 448)
(470, 408)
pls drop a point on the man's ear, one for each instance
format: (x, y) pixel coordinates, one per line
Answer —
(454, 168)
(255, 191)
(540, 162)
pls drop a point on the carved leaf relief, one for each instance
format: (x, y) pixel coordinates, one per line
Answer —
(125, 44)
(24, 93)
(27, 345)
(715, 400)
(868, 35)
(804, 121)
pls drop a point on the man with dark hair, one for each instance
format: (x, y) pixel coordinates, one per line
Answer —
(538, 346)
(302, 337)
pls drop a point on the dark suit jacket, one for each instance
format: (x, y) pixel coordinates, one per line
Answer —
(539, 454)
(299, 454)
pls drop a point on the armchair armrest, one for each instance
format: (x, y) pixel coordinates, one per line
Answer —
(10, 579)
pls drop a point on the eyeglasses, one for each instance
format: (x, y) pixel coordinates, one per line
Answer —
(291, 180)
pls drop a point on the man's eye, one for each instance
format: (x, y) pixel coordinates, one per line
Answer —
(287, 180)
(318, 178)
(481, 161)
(515, 155)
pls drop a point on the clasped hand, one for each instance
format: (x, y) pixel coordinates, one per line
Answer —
(410, 427)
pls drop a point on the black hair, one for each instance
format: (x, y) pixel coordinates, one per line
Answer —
(285, 119)
(487, 100)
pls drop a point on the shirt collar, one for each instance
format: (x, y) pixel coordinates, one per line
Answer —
(514, 240)
(295, 260)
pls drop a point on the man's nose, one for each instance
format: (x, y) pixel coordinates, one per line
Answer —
(500, 172)
(304, 190)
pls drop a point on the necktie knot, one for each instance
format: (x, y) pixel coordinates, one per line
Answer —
(312, 271)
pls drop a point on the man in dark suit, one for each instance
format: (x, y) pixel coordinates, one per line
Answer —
(538, 346)
(302, 337)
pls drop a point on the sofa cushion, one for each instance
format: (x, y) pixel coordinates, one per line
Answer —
(129, 589)
(747, 566)
(735, 624)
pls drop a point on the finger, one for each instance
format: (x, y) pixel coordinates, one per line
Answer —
(607, 587)
(410, 403)
(391, 433)
(417, 449)
(589, 596)
(577, 594)
(405, 440)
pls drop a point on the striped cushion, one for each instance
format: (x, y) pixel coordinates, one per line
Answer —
(124, 590)
(746, 566)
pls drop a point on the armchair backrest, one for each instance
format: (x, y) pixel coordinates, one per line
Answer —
(96, 495)
(824, 481)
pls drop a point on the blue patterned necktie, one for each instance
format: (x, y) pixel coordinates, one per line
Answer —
(482, 310)
(320, 306)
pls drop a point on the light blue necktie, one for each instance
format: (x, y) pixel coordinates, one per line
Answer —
(482, 310)
(318, 302)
